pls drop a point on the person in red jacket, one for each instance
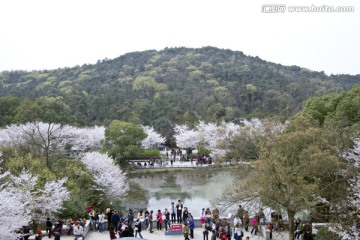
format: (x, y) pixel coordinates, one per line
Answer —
(159, 219)
(255, 224)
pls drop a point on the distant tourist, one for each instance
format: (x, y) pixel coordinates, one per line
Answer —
(151, 219)
(101, 220)
(254, 223)
(48, 227)
(38, 233)
(69, 226)
(166, 216)
(159, 219)
(173, 212)
(179, 208)
(138, 228)
(186, 232)
(191, 222)
(185, 214)
(78, 231)
(112, 233)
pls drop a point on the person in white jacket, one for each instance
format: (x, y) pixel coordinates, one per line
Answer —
(101, 217)
(78, 232)
(238, 234)
(172, 211)
(237, 220)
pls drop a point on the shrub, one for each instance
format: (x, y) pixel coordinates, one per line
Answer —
(326, 234)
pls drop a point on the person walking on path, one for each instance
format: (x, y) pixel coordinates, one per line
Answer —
(151, 218)
(255, 224)
(159, 219)
(240, 213)
(109, 215)
(213, 235)
(49, 226)
(208, 216)
(173, 213)
(138, 228)
(206, 230)
(112, 233)
(130, 217)
(191, 222)
(238, 234)
(101, 217)
(246, 220)
(185, 214)
(115, 219)
(186, 232)
(147, 219)
(166, 215)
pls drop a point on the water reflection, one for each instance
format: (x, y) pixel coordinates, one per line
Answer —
(196, 188)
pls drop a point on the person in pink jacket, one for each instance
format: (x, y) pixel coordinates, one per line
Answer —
(255, 224)
(159, 219)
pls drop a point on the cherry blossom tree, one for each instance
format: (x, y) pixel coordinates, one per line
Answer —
(353, 154)
(108, 176)
(186, 137)
(226, 132)
(353, 199)
(152, 139)
(45, 138)
(12, 216)
(12, 135)
(51, 139)
(208, 134)
(39, 202)
(22, 200)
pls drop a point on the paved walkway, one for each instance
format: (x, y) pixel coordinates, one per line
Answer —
(178, 164)
(160, 235)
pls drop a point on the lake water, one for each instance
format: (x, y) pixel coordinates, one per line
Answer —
(196, 188)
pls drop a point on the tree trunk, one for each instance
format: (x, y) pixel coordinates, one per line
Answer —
(291, 216)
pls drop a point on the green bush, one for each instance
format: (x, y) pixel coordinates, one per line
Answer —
(326, 234)
(204, 151)
(149, 153)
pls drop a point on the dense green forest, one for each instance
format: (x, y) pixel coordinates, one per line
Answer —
(175, 85)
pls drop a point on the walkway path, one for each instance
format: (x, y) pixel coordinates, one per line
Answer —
(160, 235)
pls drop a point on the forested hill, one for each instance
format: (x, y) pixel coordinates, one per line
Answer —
(176, 85)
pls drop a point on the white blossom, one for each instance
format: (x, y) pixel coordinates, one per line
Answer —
(108, 176)
(185, 137)
(12, 216)
(55, 137)
(353, 154)
(208, 134)
(39, 202)
(88, 138)
(21, 200)
(152, 138)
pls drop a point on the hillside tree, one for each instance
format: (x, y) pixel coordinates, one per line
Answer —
(122, 140)
(106, 174)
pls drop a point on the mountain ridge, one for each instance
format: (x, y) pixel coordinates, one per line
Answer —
(208, 83)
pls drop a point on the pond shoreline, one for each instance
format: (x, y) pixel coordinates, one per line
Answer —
(137, 171)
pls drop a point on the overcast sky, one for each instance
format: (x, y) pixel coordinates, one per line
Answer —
(50, 34)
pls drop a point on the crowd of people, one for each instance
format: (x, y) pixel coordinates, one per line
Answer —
(173, 156)
(213, 227)
(55, 229)
(129, 224)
